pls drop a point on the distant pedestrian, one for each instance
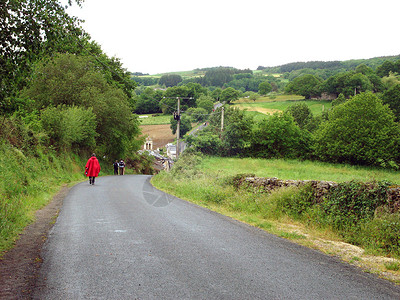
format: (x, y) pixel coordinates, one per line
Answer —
(115, 164)
(92, 168)
(121, 166)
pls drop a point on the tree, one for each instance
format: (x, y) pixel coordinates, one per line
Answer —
(301, 114)
(205, 142)
(229, 94)
(170, 80)
(216, 94)
(391, 80)
(148, 102)
(385, 68)
(71, 80)
(264, 88)
(339, 100)
(197, 114)
(205, 102)
(70, 127)
(237, 134)
(359, 131)
(279, 136)
(169, 103)
(184, 126)
(347, 83)
(30, 30)
(364, 69)
(305, 85)
(218, 76)
(391, 97)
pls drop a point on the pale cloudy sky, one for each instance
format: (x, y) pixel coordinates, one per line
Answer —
(157, 36)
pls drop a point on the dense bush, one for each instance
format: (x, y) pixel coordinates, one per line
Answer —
(279, 136)
(360, 131)
(70, 126)
(352, 203)
(206, 143)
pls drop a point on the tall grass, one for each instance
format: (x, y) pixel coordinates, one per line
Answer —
(294, 169)
(209, 181)
(27, 183)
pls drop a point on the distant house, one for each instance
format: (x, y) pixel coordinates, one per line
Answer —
(171, 150)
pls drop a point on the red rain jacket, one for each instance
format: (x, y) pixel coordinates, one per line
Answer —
(92, 167)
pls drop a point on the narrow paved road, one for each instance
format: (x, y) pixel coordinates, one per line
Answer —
(122, 239)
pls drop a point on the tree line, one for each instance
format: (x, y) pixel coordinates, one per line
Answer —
(361, 130)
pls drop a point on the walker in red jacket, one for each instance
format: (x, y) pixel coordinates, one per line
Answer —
(92, 168)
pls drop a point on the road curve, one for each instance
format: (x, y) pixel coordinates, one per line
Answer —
(123, 239)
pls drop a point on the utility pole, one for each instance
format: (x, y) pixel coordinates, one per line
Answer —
(222, 119)
(178, 125)
(177, 117)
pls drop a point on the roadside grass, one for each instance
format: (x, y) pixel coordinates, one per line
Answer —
(154, 119)
(29, 182)
(207, 181)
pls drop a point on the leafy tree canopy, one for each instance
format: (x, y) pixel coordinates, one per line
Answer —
(170, 80)
(70, 80)
(229, 94)
(279, 136)
(306, 85)
(392, 98)
(28, 31)
(264, 88)
(301, 114)
(184, 126)
(359, 131)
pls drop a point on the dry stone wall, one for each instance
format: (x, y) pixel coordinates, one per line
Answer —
(321, 188)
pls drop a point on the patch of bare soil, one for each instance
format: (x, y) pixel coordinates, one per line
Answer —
(160, 134)
(19, 266)
(266, 111)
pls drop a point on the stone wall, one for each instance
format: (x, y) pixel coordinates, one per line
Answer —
(321, 188)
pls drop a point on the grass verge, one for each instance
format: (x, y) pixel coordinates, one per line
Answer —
(287, 213)
(28, 182)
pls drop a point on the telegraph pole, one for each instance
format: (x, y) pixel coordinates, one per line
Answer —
(178, 125)
(177, 117)
(222, 119)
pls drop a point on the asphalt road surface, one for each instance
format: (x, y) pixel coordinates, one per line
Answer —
(123, 239)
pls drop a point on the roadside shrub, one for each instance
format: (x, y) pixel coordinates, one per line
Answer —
(205, 142)
(279, 136)
(186, 166)
(68, 126)
(383, 234)
(360, 131)
(351, 204)
(295, 201)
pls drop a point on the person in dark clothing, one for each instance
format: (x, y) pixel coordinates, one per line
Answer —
(121, 166)
(115, 164)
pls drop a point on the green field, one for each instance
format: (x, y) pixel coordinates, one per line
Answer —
(265, 105)
(295, 170)
(154, 119)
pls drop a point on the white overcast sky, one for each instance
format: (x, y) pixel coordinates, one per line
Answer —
(158, 36)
